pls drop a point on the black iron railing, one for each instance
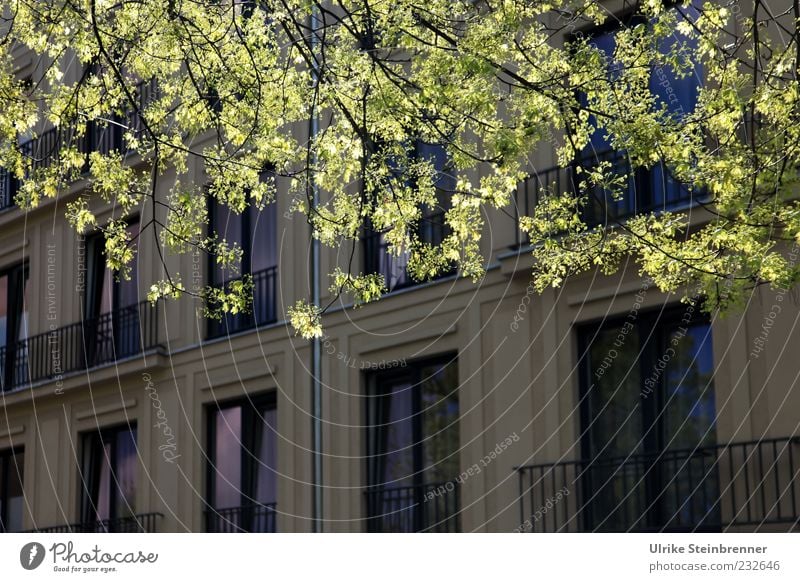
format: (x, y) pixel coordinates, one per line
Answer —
(109, 337)
(432, 229)
(644, 190)
(432, 507)
(253, 518)
(141, 523)
(263, 310)
(746, 484)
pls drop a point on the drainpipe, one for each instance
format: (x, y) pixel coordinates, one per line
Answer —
(316, 345)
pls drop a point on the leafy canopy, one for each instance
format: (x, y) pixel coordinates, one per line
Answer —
(493, 83)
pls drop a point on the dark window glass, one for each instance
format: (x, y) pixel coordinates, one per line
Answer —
(13, 327)
(230, 228)
(412, 441)
(265, 456)
(242, 466)
(4, 309)
(617, 416)
(649, 423)
(647, 189)
(262, 248)
(228, 457)
(127, 290)
(253, 230)
(12, 500)
(247, 7)
(108, 477)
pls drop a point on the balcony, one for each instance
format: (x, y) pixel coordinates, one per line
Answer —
(44, 150)
(647, 190)
(432, 230)
(263, 306)
(253, 518)
(112, 336)
(432, 507)
(141, 523)
(737, 485)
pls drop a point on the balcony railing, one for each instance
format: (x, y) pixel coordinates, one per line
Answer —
(746, 484)
(253, 518)
(432, 229)
(79, 346)
(103, 137)
(432, 507)
(646, 190)
(141, 523)
(263, 309)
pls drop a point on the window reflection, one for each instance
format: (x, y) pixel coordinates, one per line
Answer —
(412, 448)
(242, 464)
(648, 411)
(109, 475)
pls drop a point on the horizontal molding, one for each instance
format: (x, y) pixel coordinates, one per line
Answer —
(108, 409)
(606, 293)
(229, 374)
(12, 431)
(12, 247)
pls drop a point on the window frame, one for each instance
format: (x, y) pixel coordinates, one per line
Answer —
(17, 277)
(641, 180)
(245, 224)
(6, 467)
(89, 441)
(659, 322)
(96, 274)
(375, 432)
(252, 408)
(653, 463)
(265, 280)
(372, 245)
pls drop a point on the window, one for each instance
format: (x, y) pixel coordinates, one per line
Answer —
(242, 466)
(248, 7)
(12, 498)
(103, 136)
(9, 186)
(112, 313)
(108, 479)
(648, 422)
(647, 189)
(412, 448)
(13, 327)
(431, 229)
(254, 231)
(145, 94)
(106, 292)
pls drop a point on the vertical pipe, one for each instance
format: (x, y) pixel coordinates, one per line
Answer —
(316, 347)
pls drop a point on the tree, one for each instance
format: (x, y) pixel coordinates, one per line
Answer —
(490, 82)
